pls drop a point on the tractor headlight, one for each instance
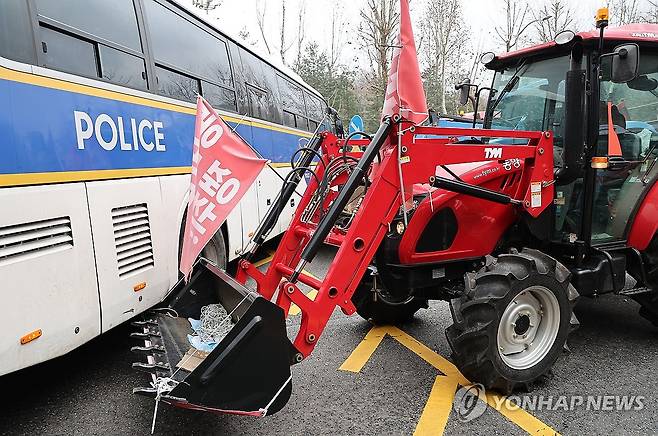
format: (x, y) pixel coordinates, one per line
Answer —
(399, 227)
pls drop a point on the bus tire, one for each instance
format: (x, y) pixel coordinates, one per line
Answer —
(215, 250)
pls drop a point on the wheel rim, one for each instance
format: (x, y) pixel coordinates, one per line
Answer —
(528, 327)
(211, 252)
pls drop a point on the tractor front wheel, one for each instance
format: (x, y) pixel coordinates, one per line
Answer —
(513, 320)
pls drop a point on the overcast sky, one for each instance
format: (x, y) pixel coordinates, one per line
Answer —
(480, 15)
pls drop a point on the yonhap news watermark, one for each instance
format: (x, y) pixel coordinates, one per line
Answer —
(471, 402)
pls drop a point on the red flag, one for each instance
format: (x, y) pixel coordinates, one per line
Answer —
(223, 169)
(404, 92)
(614, 146)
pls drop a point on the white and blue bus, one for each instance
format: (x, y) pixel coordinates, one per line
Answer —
(96, 127)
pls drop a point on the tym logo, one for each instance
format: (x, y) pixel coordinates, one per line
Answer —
(493, 153)
(109, 132)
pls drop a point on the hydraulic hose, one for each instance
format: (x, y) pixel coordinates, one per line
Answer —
(328, 221)
(284, 195)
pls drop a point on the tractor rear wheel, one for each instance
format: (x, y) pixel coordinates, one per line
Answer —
(649, 301)
(513, 320)
(376, 303)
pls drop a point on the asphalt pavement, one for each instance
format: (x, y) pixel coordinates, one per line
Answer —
(402, 384)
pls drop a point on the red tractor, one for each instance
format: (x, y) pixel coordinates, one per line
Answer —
(554, 198)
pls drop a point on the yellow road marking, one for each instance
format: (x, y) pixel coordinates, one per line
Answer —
(361, 354)
(294, 310)
(437, 409)
(433, 413)
(265, 261)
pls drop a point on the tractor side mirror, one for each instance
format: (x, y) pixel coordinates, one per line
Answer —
(464, 89)
(625, 63)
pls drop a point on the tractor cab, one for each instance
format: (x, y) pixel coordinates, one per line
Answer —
(605, 140)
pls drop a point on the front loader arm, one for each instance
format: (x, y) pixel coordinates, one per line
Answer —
(248, 371)
(422, 150)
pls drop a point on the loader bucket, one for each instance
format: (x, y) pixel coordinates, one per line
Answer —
(247, 373)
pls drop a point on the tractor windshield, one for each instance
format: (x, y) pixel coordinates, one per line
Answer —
(530, 98)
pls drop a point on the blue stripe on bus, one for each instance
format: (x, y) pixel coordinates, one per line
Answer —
(38, 133)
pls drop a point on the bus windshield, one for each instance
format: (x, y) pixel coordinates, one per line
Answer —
(530, 98)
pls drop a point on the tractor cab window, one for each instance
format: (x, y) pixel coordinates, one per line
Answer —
(530, 97)
(631, 109)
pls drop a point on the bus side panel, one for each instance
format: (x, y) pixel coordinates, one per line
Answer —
(48, 273)
(131, 246)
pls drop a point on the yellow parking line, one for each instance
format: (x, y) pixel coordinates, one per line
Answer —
(361, 354)
(265, 261)
(437, 409)
(359, 357)
(294, 310)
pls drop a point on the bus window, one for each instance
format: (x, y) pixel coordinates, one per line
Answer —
(273, 97)
(315, 108)
(292, 100)
(176, 85)
(122, 68)
(219, 97)
(68, 53)
(257, 99)
(252, 70)
(99, 40)
(181, 44)
(260, 95)
(111, 20)
(15, 32)
(240, 91)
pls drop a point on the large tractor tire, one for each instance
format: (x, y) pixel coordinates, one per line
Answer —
(513, 320)
(384, 307)
(649, 301)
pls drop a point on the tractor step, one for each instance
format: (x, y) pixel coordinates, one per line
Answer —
(636, 291)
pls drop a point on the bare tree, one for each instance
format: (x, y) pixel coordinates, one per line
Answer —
(260, 19)
(442, 39)
(651, 15)
(625, 12)
(379, 20)
(337, 34)
(517, 16)
(551, 18)
(301, 29)
(284, 40)
(207, 5)
(245, 36)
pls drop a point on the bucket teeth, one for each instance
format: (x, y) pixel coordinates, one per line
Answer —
(147, 392)
(151, 368)
(144, 323)
(144, 335)
(147, 351)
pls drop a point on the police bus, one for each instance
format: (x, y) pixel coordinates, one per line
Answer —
(96, 129)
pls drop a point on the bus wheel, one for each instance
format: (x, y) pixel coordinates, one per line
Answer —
(215, 250)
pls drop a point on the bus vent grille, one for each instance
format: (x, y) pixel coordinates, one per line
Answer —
(132, 237)
(29, 240)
